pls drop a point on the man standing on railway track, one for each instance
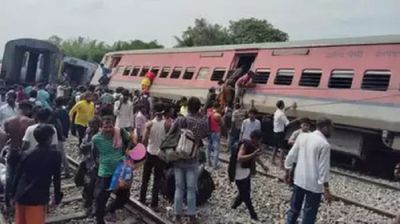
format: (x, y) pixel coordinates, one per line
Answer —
(249, 125)
(81, 114)
(15, 128)
(280, 123)
(311, 153)
(123, 110)
(215, 124)
(36, 170)
(238, 115)
(155, 133)
(108, 144)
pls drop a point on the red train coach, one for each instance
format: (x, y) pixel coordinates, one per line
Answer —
(353, 81)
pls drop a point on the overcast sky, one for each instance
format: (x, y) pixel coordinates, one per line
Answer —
(112, 20)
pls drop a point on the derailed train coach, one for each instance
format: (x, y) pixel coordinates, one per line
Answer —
(29, 61)
(353, 81)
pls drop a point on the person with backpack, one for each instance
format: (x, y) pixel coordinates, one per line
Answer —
(155, 133)
(36, 170)
(186, 170)
(242, 166)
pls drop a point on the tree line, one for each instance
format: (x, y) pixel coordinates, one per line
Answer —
(202, 33)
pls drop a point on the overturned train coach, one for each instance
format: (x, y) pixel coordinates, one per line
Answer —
(353, 81)
(30, 61)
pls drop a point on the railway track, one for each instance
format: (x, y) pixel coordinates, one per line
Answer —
(139, 213)
(225, 159)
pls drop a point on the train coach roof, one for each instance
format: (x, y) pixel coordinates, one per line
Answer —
(33, 43)
(387, 39)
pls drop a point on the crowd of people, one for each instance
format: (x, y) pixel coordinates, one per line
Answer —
(36, 121)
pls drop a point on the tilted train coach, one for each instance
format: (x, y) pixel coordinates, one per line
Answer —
(353, 81)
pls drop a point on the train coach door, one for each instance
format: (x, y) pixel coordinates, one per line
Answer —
(243, 60)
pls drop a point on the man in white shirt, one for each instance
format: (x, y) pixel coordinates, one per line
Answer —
(155, 133)
(249, 125)
(311, 153)
(123, 110)
(280, 123)
(29, 141)
(9, 109)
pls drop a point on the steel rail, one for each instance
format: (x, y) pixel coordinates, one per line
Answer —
(133, 205)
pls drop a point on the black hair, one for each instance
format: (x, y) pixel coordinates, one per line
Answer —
(305, 120)
(60, 101)
(33, 93)
(107, 119)
(256, 134)
(194, 105)
(119, 89)
(158, 107)
(43, 114)
(237, 106)
(125, 92)
(184, 98)
(42, 133)
(253, 111)
(40, 85)
(280, 104)
(24, 105)
(81, 89)
(323, 122)
(216, 105)
(95, 120)
(92, 88)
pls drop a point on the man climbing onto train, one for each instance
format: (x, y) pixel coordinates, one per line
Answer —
(311, 153)
(243, 83)
(280, 123)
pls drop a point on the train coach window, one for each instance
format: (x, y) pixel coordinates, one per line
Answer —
(119, 69)
(155, 70)
(341, 79)
(218, 74)
(144, 71)
(203, 73)
(165, 72)
(127, 70)
(284, 77)
(189, 72)
(176, 73)
(376, 80)
(135, 71)
(262, 75)
(310, 78)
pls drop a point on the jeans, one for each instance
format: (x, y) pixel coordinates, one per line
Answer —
(152, 162)
(185, 179)
(311, 205)
(102, 194)
(213, 149)
(60, 148)
(244, 195)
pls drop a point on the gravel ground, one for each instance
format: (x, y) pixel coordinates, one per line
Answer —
(373, 195)
(270, 198)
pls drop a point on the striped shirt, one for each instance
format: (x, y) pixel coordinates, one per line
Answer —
(108, 156)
